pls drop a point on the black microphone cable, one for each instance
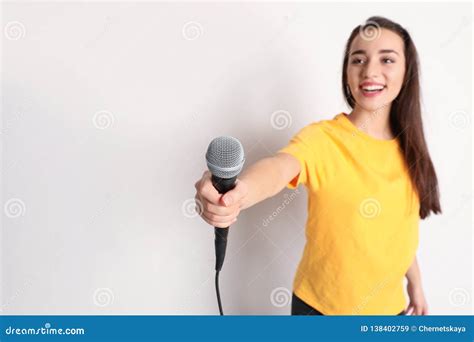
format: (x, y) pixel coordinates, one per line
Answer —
(219, 245)
(218, 294)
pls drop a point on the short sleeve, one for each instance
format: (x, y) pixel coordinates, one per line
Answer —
(303, 147)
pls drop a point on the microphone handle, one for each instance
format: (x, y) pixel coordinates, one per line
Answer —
(222, 185)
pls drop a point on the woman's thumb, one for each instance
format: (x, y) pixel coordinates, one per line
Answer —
(227, 199)
(234, 195)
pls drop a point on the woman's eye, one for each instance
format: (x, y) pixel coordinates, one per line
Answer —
(357, 61)
(388, 61)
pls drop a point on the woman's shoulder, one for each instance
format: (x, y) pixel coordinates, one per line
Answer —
(322, 127)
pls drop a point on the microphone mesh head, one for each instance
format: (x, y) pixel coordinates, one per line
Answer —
(225, 157)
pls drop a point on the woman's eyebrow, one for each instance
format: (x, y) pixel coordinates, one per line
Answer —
(363, 52)
(388, 51)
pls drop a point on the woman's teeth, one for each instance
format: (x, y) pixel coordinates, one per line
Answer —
(373, 88)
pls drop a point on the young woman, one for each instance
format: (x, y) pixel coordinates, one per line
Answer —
(369, 178)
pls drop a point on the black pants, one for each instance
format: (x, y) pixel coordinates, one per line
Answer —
(298, 308)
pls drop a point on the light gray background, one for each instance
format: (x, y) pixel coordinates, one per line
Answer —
(107, 109)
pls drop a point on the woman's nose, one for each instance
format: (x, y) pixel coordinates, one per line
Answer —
(371, 70)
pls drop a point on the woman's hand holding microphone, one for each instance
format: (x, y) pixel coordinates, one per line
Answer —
(216, 209)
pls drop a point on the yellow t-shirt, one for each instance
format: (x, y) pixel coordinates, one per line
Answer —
(362, 225)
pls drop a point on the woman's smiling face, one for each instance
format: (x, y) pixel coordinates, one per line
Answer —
(376, 69)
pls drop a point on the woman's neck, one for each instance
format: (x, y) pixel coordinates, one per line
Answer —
(375, 123)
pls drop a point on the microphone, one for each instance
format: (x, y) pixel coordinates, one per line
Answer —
(225, 159)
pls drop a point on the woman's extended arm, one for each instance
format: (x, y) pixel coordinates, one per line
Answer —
(265, 178)
(268, 176)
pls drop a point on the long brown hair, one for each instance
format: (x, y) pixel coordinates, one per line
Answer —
(405, 116)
